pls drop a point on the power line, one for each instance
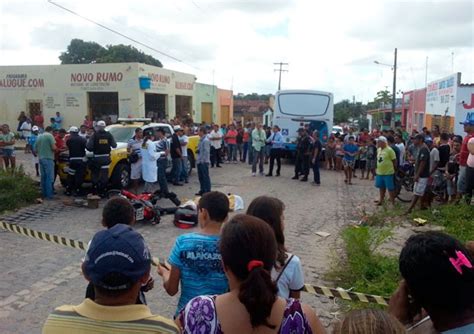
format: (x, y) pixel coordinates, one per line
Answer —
(116, 32)
(280, 70)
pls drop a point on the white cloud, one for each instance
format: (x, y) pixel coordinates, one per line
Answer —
(330, 45)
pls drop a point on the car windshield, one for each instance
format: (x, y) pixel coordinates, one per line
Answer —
(122, 134)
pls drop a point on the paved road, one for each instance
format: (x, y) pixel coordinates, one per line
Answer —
(37, 276)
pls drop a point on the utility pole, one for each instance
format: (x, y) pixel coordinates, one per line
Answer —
(394, 97)
(280, 70)
(426, 72)
(353, 109)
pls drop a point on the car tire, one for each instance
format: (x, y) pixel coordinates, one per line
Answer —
(120, 178)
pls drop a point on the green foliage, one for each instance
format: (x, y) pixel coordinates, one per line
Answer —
(363, 268)
(458, 220)
(18, 189)
(253, 96)
(384, 97)
(81, 52)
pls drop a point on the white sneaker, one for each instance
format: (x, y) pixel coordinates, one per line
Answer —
(253, 174)
(235, 162)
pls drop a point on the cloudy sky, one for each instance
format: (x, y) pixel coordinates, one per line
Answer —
(330, 45)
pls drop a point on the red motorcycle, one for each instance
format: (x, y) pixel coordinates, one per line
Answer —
(145, 205)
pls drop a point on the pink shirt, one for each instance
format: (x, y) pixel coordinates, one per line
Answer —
(231, 137)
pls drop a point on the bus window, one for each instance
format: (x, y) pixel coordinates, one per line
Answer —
(303, 104)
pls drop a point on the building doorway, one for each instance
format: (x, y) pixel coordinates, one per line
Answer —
(225, 115)
(156, 107)
(103, 106)
(34, 108)
(206, 112)
(183, 106)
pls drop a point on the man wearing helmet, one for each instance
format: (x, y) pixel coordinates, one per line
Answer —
(100, 143)
(77, 151)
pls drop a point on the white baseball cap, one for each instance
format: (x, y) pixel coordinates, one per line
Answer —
(101, 123)
(73, 129)
(383, 139)
(177, 128)
(35, 128)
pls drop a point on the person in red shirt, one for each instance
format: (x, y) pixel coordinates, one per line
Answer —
(88, 122)
(38, 120)
(231, 139)
(463, 155)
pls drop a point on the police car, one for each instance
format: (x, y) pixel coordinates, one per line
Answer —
(119, 168)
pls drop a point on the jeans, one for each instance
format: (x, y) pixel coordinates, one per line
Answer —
(215, 156)
(275, 153)
(47, 175)
(232, 152)
(183, 176)
(258, 156)
(162, 163)
(204, 179)
(245, 150)
(317, 178)
(251, 154)
(176, 169)
(240, 148)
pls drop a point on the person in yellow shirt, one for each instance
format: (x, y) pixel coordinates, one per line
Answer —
(118, 264)
(385, 171)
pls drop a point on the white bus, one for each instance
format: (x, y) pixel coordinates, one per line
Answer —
(296, 109)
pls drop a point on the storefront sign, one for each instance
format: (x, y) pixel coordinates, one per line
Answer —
(441, 96)
(184, 85)
(465, 108)
(72, 100)
(97, 77)
(21, 81)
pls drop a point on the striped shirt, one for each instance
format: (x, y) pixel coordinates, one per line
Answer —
(161, 146)
(93, 318)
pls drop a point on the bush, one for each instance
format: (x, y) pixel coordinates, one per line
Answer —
(18, 189)
(363, 268)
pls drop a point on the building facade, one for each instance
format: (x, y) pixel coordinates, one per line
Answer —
(101, 91)
(226, 106)
(413, 109)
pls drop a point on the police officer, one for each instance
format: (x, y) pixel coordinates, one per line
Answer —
(77, 152)
(303, 153)
(100, 143)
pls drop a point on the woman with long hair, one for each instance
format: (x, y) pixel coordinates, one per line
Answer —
(287, 272)
(149, 158)
(248, 249)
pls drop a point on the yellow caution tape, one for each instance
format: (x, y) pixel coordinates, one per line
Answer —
(311, 289)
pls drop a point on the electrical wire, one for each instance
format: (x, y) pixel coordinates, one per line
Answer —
(116, 32)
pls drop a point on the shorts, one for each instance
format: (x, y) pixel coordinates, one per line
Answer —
(462, 180)
(385, 182)
(136, 170)
(348, 163)
(419, 187)
(371, 164)
(8, 153)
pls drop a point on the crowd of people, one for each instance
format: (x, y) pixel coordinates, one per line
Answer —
(237, 276)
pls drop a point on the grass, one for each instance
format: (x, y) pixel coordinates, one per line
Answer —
(18, 190)
(457, 220)
(364, 269)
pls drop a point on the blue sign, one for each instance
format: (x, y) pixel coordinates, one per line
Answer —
(284, 132)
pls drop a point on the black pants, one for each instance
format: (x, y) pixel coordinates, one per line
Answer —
(215, 156)
(302, 165)
(100, 174)
(162, 163)
(317, 177)
(469, 182)
(75, 175)
(275, 154)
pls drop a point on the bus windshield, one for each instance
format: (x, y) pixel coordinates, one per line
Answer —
(303, 104)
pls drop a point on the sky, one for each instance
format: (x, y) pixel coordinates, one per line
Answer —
(329, 45)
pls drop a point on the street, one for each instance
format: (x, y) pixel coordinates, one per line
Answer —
(38, 276)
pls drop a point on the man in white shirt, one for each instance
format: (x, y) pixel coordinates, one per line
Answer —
(183, 139)
(215, 137)
(401, 147)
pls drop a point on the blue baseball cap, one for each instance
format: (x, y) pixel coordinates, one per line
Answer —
(118, 251)
(467, 122)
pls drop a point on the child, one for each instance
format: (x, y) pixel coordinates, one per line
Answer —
(362, 158)
(195, 258)
(371, 159)
(350, 152)
(118, 210)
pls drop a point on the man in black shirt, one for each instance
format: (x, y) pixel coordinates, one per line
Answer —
(444, 151)
(77, 166)
(303, 153)
(422, 172)
(316, 148)
(176, 155)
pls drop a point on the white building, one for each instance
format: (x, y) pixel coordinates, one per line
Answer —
(97, 90)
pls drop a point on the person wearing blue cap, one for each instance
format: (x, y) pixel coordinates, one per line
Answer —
(464, 154)
(118, 264)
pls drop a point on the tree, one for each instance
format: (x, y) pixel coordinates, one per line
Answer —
(80, 52)
(383, 98)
